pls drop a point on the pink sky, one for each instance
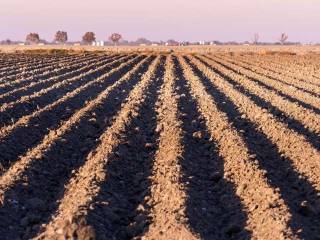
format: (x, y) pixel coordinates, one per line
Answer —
(179, 19)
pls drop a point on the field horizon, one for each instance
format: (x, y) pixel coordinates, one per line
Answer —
(260, 49)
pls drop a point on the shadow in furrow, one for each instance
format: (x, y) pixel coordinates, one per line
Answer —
(33, 199)
(21, 109)
(274, 78)
(214, 211)
(25, 137)
(275, 90)
(36, 76)
(312, 137)
(299, 195)
(283, 66)
(120, 210)
(27, 90)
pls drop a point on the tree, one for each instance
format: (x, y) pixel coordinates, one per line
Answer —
(32, 38)
(115, 38)
(6, 42)
(143, 41)
(172, 42)
(61, 37)
(283, 38)
(256, 38)
(89, 37)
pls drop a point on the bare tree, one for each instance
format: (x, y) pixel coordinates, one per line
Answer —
(115, 38)
(283, 38)
(256, 38)
(61, 37)
(32, 38)
(89, 37)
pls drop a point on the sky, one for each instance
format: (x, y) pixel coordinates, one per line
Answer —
(182, 20)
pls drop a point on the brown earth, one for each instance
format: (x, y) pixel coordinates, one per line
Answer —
(157, 145)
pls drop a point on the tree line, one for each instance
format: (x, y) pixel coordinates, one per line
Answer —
(61, 37)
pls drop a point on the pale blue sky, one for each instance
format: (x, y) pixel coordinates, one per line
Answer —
(179, 19)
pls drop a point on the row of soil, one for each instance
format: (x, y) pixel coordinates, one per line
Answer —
(281, 76)
(294, 95)
(308, 73)
(267, 215)
(34, 198)
(114, 158)
(178, 148)
(40, 84)
(16, 139)
(293, 116)
(11, 112)
(18, 71)
(66, 69)
(19, 63)
(278, 154)
(213, 209)
(167, 195)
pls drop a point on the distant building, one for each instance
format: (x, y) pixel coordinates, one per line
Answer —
(98, 43)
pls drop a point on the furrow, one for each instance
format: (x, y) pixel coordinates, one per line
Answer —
(295, 117)
(279, 68)
(31, 68)
(9, 85)
(282, 77)
(45, 179)
(291, 93)
(18, 66)
(290, 143)
(262, 203)
(18, 92)
(13, 174)
(29, 130)
(289, 161)
(167, 197)
(85, 185)
(25, 105)
(213, 209)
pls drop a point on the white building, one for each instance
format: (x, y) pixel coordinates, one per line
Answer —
(98, 43)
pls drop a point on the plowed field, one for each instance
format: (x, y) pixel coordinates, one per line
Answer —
(159, 146)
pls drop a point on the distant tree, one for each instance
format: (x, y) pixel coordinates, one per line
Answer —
(256, 38)
(6, 42)
(115, 38)
(172, 42)
(32, 38)
(283, 38)
(144, 41)
(89, 37)
(61, 37)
